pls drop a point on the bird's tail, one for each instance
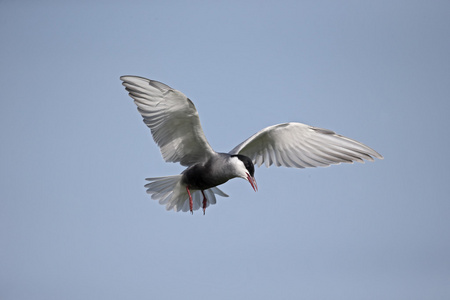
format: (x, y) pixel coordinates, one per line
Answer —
(169, 191)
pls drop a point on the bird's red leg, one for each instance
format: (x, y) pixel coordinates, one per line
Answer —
(204, 202)
(190, 200)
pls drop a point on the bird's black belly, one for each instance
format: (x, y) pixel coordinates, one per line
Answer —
(199, 177)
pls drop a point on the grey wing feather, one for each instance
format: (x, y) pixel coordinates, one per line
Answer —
(172, 119)
(299, 145)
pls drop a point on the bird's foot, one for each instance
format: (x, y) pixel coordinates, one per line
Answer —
(204, 203)
(191, 204)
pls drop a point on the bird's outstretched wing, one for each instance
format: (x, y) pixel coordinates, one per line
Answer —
(172, 119)
(299, 145)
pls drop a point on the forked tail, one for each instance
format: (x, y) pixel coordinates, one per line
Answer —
(169, 191)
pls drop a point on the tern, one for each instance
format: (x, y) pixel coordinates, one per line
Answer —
(175, 127)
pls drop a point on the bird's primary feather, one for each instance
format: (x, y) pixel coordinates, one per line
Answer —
(299, 145)
(172, 119)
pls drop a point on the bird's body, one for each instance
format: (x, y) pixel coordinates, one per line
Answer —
(213, 172)
(175, 126)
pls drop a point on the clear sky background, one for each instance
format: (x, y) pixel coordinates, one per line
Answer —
(76, 223)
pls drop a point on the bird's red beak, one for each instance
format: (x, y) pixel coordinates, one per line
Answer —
(252, 181)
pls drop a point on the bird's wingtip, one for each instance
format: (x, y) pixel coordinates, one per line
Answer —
(123, 77)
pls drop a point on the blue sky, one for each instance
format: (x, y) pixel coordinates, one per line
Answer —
(76, 223)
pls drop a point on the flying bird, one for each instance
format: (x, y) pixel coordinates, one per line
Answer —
(175, 127)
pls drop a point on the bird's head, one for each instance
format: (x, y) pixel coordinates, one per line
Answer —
(246, 169)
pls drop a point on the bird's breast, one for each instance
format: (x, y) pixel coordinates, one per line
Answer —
(203, 177)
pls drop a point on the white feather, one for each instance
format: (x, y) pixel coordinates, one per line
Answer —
(170, 192)
(299, 145)
(172, 118)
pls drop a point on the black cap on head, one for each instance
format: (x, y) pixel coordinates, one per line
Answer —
(247, 163)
